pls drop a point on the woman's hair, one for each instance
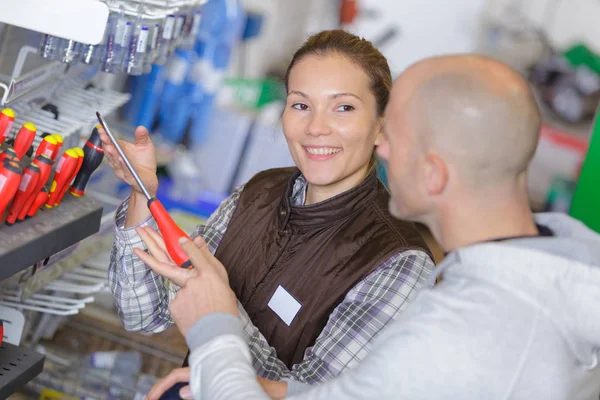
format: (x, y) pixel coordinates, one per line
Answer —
(357, 50)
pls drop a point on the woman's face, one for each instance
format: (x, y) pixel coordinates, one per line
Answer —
(330, 120)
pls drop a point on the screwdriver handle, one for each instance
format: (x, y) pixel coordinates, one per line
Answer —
(10, 177)
(45, 164)
(30, 178)
(171, 233)
(38, 202)
(24, 139)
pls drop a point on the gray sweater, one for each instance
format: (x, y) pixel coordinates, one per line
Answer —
(517, 319)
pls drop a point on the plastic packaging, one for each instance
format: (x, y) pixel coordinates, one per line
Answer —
(69, 51)
(137, 51)
(49, 47)
(117, 44)
(220, 29)
(178, 31)
(191, 33)
(152, 48)
(173, 120)
(91, 54)
(164, 40)
(110, 45)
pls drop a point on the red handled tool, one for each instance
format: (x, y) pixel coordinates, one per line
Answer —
(39, 200)
(24, 139)
(10, 176)
(7, 119)
(64, 189)
(59, 143)
(93, 155)
(45, 164)
(64, 169)
(170, 231)
(7, 154)
(47, 147)
(30, 178)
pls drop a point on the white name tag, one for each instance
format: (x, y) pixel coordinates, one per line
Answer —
(284, 305)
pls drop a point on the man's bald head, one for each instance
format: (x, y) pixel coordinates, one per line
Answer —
(477, 113)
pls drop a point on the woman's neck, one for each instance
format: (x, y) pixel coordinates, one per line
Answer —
(318, 193)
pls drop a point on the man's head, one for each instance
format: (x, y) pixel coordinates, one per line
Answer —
(457, 127)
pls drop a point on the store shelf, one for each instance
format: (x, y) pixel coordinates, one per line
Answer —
(34, 80)
(17, 367)
(81, 20)
(49, 232)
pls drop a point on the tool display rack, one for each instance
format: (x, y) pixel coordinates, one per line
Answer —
(53, 230)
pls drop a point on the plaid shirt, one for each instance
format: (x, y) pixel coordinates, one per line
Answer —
(143, 299)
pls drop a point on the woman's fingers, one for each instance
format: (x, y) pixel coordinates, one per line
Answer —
(176, 376)
(156, 250)
(158, 239)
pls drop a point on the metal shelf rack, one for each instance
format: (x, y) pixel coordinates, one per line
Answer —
(17, 367)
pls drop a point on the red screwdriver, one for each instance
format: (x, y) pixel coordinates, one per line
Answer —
(64, 169)
(170, 231)
(39, 200)
(47, 147)
(24, 139)
(92, 159)
(7, 119)
(64, 189)
(8, 153)
(30, 178)
(10, 176)
(45, 164)
(59, 141)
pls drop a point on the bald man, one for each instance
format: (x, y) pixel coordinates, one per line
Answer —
(517, 313)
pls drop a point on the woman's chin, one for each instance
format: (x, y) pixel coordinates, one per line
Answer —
(320, 178)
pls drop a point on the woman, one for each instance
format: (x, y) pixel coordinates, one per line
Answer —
(317, 263)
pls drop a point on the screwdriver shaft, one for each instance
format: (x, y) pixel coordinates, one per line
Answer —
(124, 157)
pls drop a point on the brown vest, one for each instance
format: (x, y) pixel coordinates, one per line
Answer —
(317, 253)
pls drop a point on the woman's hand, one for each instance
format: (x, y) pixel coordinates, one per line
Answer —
(176, 376)
(275, 390)
(158, 258)
(142, 155)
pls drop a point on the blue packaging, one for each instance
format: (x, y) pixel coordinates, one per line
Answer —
(220, 30)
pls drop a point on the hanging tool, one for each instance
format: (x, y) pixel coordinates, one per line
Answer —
(10, 177)
(45, 164)
(7, 119)
(64, 189)
(39, 200)
(59, 141)
(170, 231)
(8, 154)
(64, 169)
(24, 139)
(47, 147)
(93, 155)
(29, 181)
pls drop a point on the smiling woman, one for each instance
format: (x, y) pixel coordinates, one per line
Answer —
(337, 114)
(318, 264)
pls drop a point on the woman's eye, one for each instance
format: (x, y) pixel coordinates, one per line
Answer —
(345, 107)
(300, 106)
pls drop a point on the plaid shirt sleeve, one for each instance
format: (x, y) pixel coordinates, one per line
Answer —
(143, 296)
(346, 339)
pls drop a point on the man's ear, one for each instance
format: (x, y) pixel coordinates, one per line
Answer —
(437, 175)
